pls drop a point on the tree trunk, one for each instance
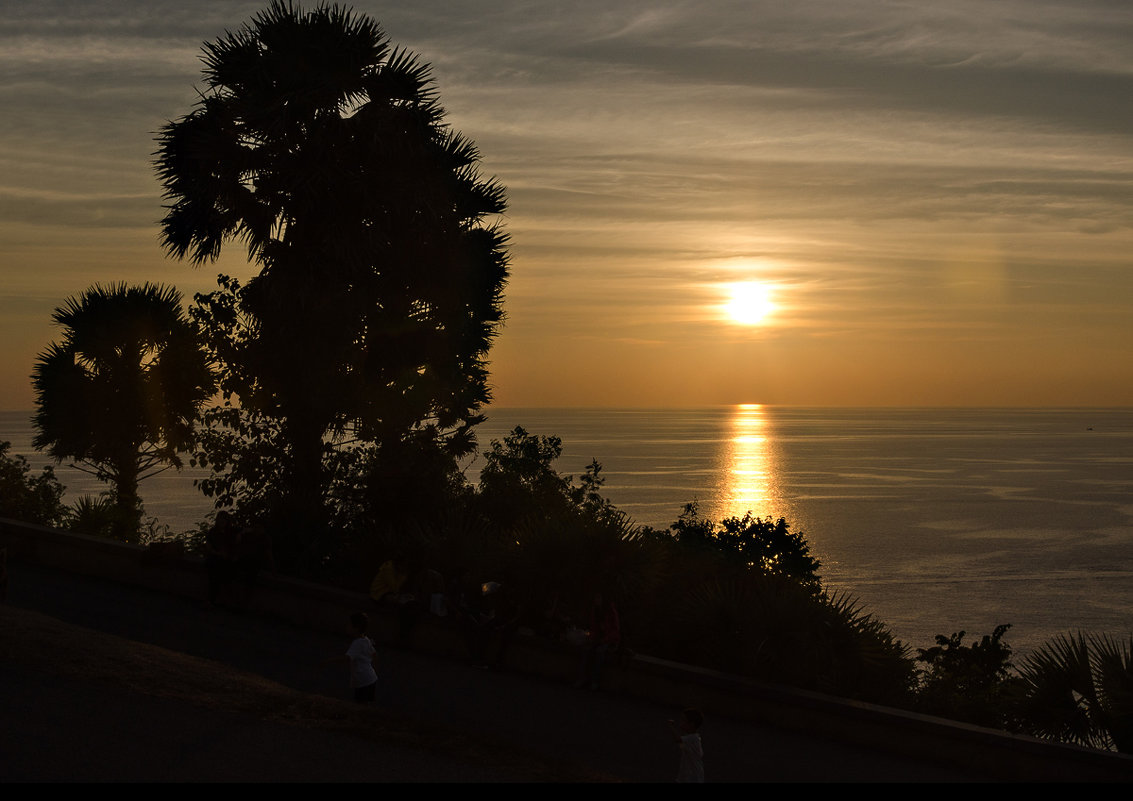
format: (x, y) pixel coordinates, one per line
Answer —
(127, 515)
(301, 527)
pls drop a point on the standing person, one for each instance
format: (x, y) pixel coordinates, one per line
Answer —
(388, 581)
(362, 657)
(605, 635)
(691, 770)
(391, 587)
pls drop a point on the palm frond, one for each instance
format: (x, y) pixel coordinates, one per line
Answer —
(1060, 691)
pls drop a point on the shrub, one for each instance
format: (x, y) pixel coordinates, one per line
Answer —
(972, 683)
(31, 498)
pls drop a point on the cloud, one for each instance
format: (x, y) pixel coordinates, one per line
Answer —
(904, 171)
(75, 211)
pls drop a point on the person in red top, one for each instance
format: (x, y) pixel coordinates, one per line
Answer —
(605, 635)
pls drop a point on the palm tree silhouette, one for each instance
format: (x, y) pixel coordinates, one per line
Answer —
(1078, 688)
(323, 149)
(120, 391)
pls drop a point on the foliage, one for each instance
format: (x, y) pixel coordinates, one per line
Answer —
(390, 487)
(324, 150)
(520, 485)
(1078, 688)
(750, 542)
(31, 498)
(93, 515)
(972, 683)
(455, 540)
(770, 627)
(523, 462)
(387, 500)
(367, 491)
(561, 562)
(588, 496)
(120, 391)
(562, 541)
(742, 596)
(519, 480)
(243, 449)
(99, 516)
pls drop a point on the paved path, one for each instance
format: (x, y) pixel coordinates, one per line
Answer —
(67, 730)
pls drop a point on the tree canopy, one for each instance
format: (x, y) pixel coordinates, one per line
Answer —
(750, 542)
(323, 149)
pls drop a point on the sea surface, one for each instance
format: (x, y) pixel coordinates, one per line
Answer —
(936, 520)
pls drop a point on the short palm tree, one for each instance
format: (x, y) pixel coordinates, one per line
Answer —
(1078, 688)
(119, 393)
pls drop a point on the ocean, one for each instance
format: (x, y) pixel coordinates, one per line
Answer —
(936, 520)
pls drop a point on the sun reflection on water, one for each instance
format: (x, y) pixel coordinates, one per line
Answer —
(751, 483)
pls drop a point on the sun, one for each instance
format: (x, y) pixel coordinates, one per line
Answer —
(749, 303)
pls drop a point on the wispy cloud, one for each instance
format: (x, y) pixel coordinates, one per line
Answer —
(908, 174)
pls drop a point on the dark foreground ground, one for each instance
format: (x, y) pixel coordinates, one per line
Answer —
(106, 682)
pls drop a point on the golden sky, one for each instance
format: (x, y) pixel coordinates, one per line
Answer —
(932, 203)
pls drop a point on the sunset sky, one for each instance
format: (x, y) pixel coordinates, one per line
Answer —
(926, 203)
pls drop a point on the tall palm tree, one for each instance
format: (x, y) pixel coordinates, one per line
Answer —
(323, 149)
(120, 391)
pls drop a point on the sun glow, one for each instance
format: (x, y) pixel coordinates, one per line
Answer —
(749, 303)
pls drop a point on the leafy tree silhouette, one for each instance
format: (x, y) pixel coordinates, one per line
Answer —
(752, 542)
(120, 392)
(324, 150)
(972, 683)
(36, 499)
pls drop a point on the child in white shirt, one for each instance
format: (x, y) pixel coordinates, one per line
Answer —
(688, 741)
(362, 657)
